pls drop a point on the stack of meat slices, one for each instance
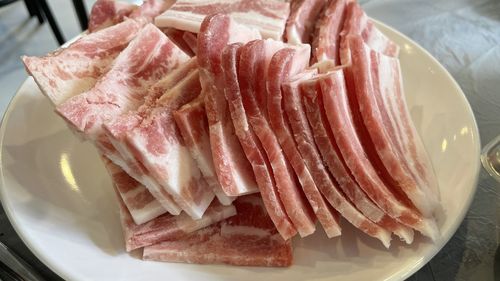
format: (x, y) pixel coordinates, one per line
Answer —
(193, 118)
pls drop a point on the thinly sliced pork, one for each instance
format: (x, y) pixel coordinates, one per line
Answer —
(105, 13)
(301, 22)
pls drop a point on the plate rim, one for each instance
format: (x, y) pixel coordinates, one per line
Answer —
(439, 245)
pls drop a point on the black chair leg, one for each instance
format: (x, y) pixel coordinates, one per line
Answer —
(81, 12)
(34, 10)
(42, 4)
(29, 6)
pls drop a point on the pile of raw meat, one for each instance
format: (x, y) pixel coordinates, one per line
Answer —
(229, 127)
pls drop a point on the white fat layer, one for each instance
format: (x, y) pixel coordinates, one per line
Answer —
(229, 230)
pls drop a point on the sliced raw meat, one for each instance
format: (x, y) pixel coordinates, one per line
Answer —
(148, 57)
(232, 167)
(178, 37)
(158, 145)
(378, 88)
(117, 128)
(325, 141)
(191, 40)
(268, 16)
(248, 239)
(193, 125)
(325, 45)
(305, 143)
(300, 23)
(251, 96)
(141, 205)
(356, 22)
(106, 13)
(151, 8)
(326, 215)
(70, 71)
(167, 227)
(340, 117)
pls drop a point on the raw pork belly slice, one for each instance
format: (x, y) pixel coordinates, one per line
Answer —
(340, 117)
(141, 205)
(70, 71)
(378, 88)
(300, 23)
(326, 184)
(148, 57)
(158, 145)
(325, 141)
(106, 13)
(191, 40)
(253, 65)
(247, 239)
(268, 16)
(178, 37)
(167, 227)
(356, 22)
(325, 46)
(231, 166)
(191, 119)
(277, 73)
(151, 8)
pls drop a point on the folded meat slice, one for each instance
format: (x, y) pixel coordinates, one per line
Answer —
(378, 88)
(300, 24)
(325, 46)
(324, 181)
(191, 40)
(247, 239)
(75, 69)
(325, 142)
(269, 16)
(177, 36)
(281, 196)
(231, 166)
(341, 120)
(167, 227)
(151, 9)
(139, 202)
(105, 13)
(158, 145)
(191, 119)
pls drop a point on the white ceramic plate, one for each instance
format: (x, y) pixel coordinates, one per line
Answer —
(60, 201)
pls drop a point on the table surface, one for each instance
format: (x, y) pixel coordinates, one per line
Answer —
(464, 35)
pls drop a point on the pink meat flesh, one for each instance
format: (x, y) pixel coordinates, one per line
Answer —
(300, 24)
(231, 166)
(150, 9)
(324, 181)
(177, 37)
(191, 40)
(167, 227)
(106, 13)
(377, 84)
(247, 239)
(325, 141)
(70, 71)
(325, 46)
(191, 119)
(141, 205)
(158, 145)
(341, 120)
(268, 16)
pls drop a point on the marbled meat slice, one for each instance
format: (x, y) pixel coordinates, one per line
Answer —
(150, 9)
(231, 166)
(117, 128)
(327, 185)
(191, 119)
(378, 87)
(251, 146)
(301, 22)
(141, 205)
(325, 45)
(191, 40)
(247, 239)
(70, 71)
(105, 13)
(158, 145)
(278, 73)
(167, 227)
(268, 16)
(340, 117)
(325, 141)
